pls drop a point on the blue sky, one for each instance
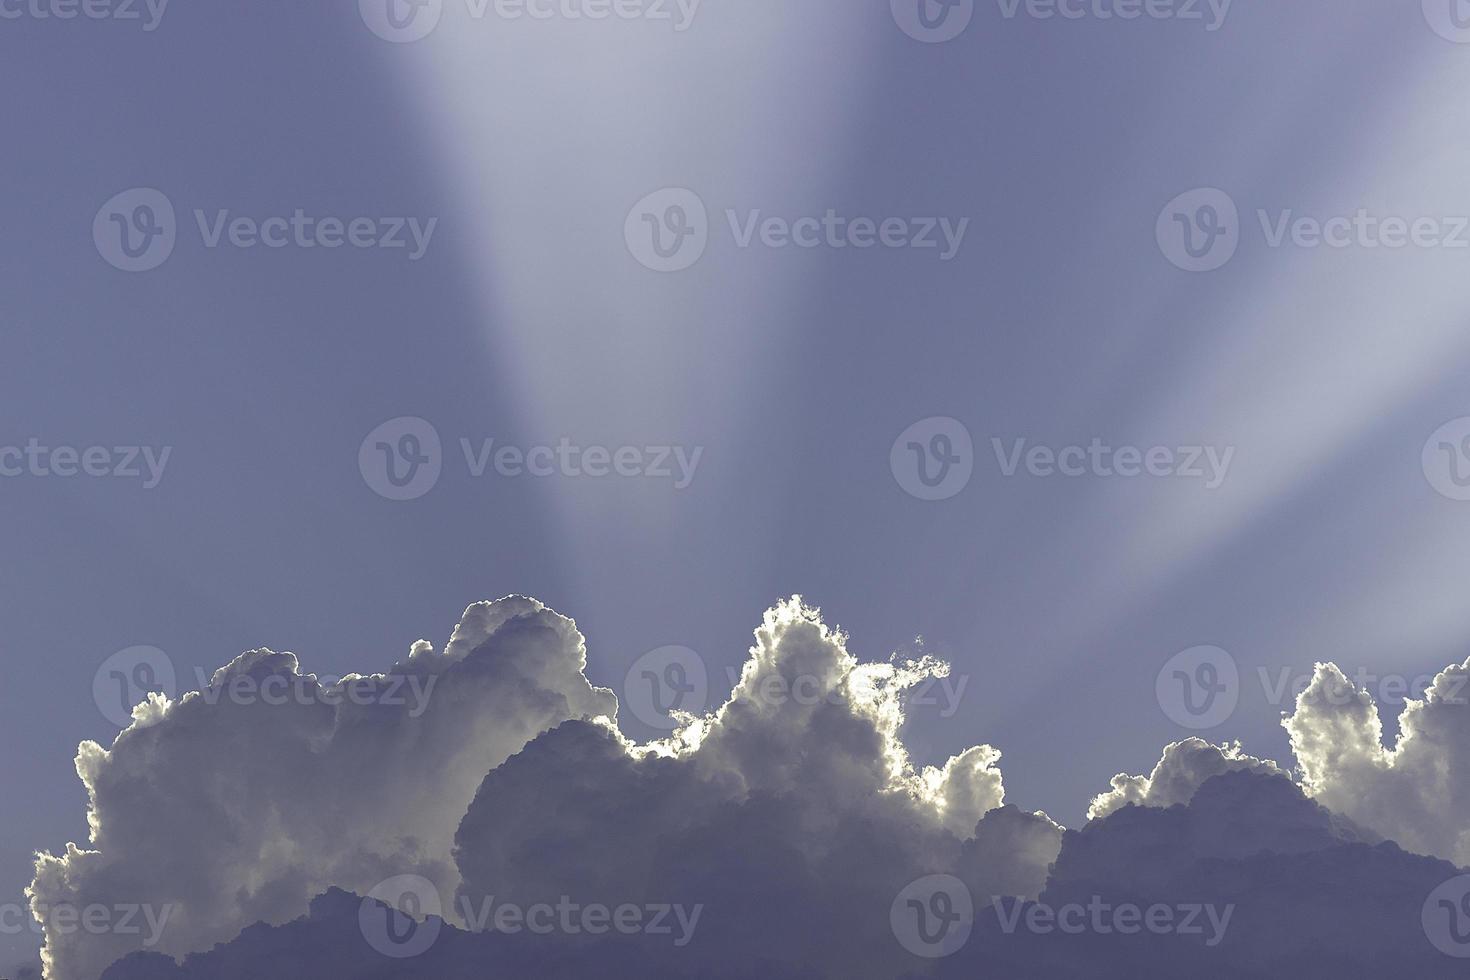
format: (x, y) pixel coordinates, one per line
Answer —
(1059, 320)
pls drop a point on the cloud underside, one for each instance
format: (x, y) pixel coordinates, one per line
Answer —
(792, 823)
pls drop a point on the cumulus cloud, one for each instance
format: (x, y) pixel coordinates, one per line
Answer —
(241, 803)
(1249, 879)
(1417, 792)
(780, 836)
(1181, 771)
(788, 820)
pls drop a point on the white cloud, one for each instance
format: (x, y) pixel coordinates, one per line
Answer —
(1416, 793)
(1181, 771)
(765, 806)
(239, 811)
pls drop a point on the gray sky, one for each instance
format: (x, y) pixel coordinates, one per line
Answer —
(1059, 319)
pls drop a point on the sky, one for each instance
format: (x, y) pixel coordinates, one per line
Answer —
(784, 407)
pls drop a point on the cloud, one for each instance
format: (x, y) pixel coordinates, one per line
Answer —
(222, 809)
(1249, 880)
(787, 820)
(779, 835)
(1418, 792)
(1181, 771)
